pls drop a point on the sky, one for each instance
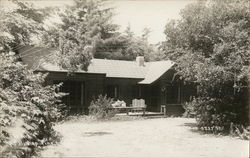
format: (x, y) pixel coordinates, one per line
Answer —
(153, 14)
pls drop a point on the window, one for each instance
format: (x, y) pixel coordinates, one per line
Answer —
(113, 91)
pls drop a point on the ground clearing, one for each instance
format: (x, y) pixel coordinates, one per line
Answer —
(160, 137)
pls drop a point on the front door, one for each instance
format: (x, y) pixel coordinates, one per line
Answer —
(173, 100)
(173, 94)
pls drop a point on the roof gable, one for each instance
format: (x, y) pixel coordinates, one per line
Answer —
(156, 70)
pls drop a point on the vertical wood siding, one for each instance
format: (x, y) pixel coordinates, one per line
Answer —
(93, 85)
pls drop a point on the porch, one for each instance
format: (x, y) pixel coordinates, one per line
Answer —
(166, 111)
(82, 88)
(147, 114)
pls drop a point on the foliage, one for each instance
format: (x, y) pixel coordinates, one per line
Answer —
(212, 112)
(189, 109)
(101, 108)
(23, 94)
(21, 25)
(211, 47)
(240, 131)
(83, 25)
(86, 31)
(216, 116)
(126, 46)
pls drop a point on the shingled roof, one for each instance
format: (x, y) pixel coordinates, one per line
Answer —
(156, 70)
(148, 72)
(112, 68)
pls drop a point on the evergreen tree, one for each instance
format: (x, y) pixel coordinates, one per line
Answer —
(85, 24)
(87, 31)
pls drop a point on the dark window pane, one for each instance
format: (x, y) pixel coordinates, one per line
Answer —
(113, 91)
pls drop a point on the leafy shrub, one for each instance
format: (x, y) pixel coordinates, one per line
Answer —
(218, 115)
(22, 94)
(240, 131)
(189, 109)
(101, 108)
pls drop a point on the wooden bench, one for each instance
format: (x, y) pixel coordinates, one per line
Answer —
(137, 105)
(130, 109)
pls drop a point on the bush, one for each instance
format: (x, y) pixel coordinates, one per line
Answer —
(218, 115)
(240, 131)
(23, 95)
(101, 108)
(189, 109)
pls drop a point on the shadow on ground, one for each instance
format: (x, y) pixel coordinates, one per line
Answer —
(191, 125)
(91, 134)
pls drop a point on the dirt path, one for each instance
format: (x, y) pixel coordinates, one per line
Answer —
(162, 137)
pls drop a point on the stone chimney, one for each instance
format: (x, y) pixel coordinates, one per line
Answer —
(140, 60)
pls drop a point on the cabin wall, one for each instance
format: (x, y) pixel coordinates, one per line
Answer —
(125, 88)
(155, 94)
(154, 97)
(93, 84)
(170, 91)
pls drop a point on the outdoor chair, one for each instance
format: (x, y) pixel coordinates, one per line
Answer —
(138, 105)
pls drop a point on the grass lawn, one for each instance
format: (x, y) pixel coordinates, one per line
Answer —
(159, 137)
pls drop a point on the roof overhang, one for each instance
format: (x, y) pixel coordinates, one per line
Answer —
(156, 70)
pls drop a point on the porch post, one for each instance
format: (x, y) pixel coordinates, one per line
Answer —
(82, 93)
(179, 93)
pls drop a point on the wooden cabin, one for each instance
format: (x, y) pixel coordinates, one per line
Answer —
(155, 82)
